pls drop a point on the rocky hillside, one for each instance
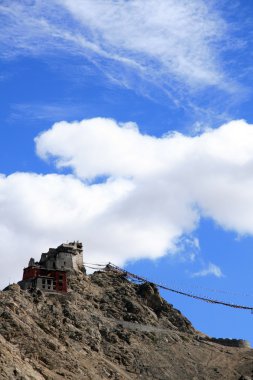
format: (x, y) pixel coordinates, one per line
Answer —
(108, 328)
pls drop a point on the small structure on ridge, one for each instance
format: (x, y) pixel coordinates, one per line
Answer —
(50, 273)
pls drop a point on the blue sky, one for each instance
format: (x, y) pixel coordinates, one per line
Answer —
(127, 125)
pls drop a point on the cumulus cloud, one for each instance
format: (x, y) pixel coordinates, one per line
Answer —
(176, 178)
(165, 42)
(131, 195)
(211, 269)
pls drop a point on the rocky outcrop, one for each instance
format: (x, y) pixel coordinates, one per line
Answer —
(108, 328)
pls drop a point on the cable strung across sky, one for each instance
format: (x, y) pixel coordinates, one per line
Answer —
(111, 266)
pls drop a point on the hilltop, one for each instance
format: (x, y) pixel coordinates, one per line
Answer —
(107, 327)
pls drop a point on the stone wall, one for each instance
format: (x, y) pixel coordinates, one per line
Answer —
(65, 257)
(231, 342)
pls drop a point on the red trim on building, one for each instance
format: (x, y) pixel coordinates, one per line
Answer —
(59, 277)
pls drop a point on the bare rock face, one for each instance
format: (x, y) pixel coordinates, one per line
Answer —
(108, 328)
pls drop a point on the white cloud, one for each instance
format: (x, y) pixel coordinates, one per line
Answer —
(178, 177)
(44, 111)
(156, 191)
(176, 35)
(165, 42)
(211, 269)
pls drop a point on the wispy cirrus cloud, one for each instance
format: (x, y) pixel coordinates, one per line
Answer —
(170, 43)
(170, 35)
(40, 111)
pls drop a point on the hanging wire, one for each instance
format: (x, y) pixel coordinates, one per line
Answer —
(177, 291)
(190, 294)
(98, 265)
(202, 288)
(93, 267)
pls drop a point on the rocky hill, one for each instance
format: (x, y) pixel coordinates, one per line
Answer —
(107, 327)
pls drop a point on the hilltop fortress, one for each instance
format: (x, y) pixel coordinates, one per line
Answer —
(50, 273)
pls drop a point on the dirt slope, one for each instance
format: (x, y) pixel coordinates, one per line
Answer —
(108, 328)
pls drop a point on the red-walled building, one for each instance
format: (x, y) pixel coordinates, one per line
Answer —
(46, 280)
